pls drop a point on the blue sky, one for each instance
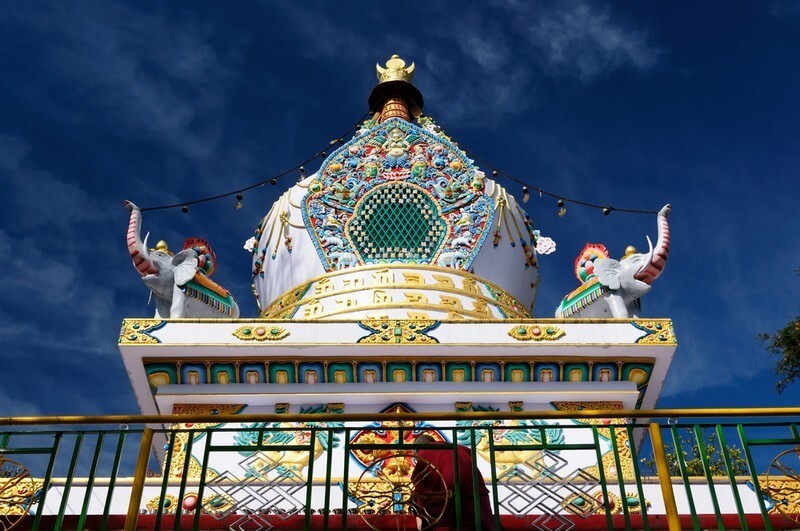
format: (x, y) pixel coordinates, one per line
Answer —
(631, 104)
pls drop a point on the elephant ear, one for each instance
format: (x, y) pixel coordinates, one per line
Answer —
(185, 266)
(608, 272)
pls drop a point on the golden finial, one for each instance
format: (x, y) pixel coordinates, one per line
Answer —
(395, 70)
(629, 250)
(162, 246)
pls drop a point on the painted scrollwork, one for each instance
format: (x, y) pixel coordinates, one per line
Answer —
(536, 332)
(261, 333)
(137, 332)
(657, 332)
(398, 331)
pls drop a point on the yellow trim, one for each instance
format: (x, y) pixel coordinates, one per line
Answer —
(511, 344)
(138, 480)
(427, 416)
(527, 320)
(410, 358)
(664, 477)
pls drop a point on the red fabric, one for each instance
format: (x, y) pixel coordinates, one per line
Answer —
(432, 501)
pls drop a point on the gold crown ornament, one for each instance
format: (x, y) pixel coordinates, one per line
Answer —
(395, 70)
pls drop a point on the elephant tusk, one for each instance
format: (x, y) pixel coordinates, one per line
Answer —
(145, 249)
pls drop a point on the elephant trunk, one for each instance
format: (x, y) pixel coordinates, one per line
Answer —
(658, 256)
(137, 249)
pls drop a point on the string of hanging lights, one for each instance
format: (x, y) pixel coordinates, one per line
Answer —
(273, 180)
(561, 200)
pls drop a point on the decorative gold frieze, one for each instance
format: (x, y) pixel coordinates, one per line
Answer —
(536, 332)
(595, 406)
(398, 331)
(656, 332)
(137, 331)
(319, 297)
(261, 333)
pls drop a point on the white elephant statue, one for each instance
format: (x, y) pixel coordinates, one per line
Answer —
(452, 259)
(344, 259)
(180, 283)
(612, 288)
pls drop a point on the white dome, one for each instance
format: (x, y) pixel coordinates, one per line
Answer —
(398, 223)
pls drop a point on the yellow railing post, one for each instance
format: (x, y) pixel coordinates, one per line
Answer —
(138, 480)
(664, 478)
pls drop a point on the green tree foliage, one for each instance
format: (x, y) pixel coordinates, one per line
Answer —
(693, 458)
(785, 344)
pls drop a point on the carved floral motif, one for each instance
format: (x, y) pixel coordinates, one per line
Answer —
(536, 332)
(261, 333)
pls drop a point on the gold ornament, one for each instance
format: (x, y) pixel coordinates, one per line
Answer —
(395, 70)
(620, 434)
(169, 505)
(218, 504)
(261, 333)
(283, 307)
(163, 247)
(536, 332)
(658, 332)
(635, 509)
(584, 505)
(782, 484)
(18, 492)
(137, 331)
(398, 331)
(629, 250)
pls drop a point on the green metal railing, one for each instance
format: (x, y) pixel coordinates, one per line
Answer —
(347, 471)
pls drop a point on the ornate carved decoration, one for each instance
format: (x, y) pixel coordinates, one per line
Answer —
(781, 485)
(656, 332)
(381, 492)
(536, 332)
(261, 333)
(19, 492)
(181, 438)
(398, 331)
(426, 181)
(168, 505)
(283, 307)
(580, 406)
(620, 434)
(138, 331)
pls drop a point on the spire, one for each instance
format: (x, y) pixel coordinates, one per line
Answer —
(395, 96)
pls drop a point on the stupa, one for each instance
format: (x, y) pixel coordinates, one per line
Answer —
(398, 277)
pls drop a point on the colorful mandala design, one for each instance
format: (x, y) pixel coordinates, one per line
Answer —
(398, 192)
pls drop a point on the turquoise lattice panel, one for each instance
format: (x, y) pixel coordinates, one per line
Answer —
(397, 221)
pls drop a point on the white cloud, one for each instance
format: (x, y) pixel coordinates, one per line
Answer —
(17, 407)
(161, 77)
(581, 39)
(783, 8)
